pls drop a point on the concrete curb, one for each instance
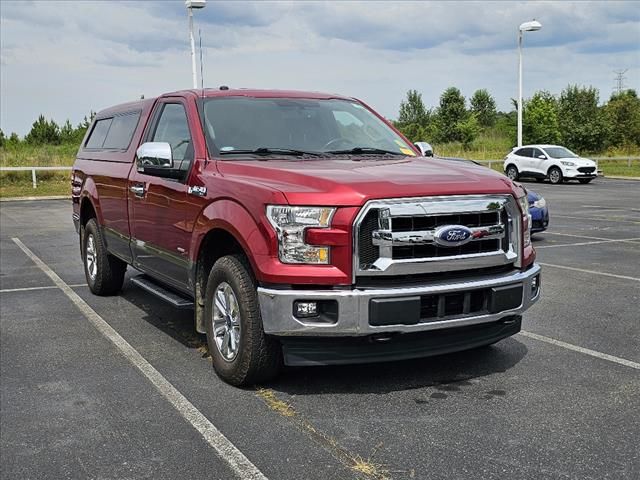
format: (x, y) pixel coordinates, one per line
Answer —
(619, 177)
(24, 199)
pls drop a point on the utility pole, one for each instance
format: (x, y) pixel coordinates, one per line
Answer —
(620, 78)
(191, 4)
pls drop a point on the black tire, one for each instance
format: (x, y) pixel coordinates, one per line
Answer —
(104, 272)
(258, 357)
(512, 172)
(585, 180)
(555, 175)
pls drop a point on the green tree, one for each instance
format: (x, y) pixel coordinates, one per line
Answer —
(413, 131)
(67, 132)
(484, 106)
(582, 123)
(622, 114)
(452, 118)
(469, 130)
(540, 119)
(13, 139)
(43, 132)
(412, 110)
(2, 138)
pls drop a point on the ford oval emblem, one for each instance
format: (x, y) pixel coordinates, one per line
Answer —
(453, 235)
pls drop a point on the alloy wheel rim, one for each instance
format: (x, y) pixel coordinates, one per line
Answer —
(226, 321)
(554, 177)
(91, 257)
(511, 174)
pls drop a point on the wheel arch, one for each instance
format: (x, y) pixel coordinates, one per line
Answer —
(223, 228)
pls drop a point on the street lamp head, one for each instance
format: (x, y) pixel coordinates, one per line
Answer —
(195, 3)
(531, 26)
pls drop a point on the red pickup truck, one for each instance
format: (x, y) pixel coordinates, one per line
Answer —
(301, 228)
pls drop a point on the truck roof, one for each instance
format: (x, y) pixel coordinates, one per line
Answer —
(257, 93)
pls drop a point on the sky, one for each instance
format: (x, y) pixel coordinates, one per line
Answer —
(63, 59)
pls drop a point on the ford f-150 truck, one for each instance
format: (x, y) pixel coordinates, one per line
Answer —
(302, 228)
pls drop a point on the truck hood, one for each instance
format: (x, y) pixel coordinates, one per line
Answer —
(352, 182)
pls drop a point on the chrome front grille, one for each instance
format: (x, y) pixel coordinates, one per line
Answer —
(415, 236)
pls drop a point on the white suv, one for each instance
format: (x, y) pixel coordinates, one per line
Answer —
(552, 161)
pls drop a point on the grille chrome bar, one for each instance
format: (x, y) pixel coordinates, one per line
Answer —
(388, 231)
(385, 238)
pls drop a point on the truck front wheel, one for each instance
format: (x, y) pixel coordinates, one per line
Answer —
(241, 352)
(104, 272)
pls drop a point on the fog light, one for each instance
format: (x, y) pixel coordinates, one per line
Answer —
(305, 309)
(535, 285)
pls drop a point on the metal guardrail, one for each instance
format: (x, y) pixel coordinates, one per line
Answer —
(33, 170)
(490, 163)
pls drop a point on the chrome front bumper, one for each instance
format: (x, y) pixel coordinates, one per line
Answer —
(277, 306)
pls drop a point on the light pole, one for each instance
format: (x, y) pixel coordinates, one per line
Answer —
(191, 4)
(525, 27)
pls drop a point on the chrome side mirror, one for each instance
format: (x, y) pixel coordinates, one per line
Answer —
(424, 148)
(155, 158)
(154, 154)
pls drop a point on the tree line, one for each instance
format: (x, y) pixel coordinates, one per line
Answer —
(574, 119)
(48, 132)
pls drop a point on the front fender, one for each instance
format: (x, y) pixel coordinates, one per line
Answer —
(230, 216)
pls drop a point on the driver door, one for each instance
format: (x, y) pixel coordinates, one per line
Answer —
(161, 212)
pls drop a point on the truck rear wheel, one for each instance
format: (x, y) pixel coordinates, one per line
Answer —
(104, 272)
(241, 352)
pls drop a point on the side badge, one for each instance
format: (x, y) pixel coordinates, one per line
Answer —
(198, 191)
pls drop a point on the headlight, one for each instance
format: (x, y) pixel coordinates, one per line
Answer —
(290, 224)
(540, 203)
(524, 205)
(568, 164)
(526, 220)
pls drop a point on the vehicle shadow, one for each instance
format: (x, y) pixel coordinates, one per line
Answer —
(178, 324)
(444, 372)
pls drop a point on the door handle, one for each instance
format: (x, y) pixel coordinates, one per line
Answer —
(138, 189)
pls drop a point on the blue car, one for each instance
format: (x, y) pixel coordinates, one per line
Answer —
(539, 212)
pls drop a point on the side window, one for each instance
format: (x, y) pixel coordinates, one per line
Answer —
(525, 152)
(536, 153)
(99, 133)
(173, 128)
(121, 131)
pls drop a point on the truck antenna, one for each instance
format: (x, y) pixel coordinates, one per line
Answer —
(201, 66)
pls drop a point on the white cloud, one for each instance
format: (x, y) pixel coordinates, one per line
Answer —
(66, 58)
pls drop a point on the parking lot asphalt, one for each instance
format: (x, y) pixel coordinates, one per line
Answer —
(559, 400)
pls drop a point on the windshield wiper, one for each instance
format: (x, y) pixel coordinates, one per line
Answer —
(266, 151)
(364, 150)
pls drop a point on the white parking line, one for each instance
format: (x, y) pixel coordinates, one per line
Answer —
(613, 208)
(592, 272)
(579, 236)
(30, 289)
(586, 351)
(594, 218)
(586, 243)
(240, 464)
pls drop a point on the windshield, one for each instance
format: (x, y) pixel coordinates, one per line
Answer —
(560, 152)
(241, 125)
